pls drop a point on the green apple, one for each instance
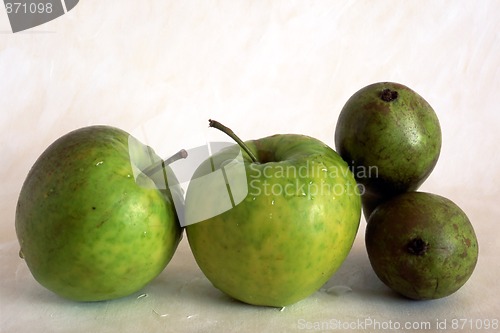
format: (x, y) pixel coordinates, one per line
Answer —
(90, 226)
(291, 231)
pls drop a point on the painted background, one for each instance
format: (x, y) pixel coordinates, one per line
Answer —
(161, 69)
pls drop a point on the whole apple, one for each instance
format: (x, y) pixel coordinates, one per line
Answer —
(292, 230)
(90, 230)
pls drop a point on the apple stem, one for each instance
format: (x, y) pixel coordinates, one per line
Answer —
(154, 168)
(230, 133)
(177, 156)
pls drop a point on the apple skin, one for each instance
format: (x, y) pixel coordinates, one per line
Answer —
(276, 247)
(87, 230)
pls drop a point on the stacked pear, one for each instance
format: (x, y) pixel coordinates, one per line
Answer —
(421, 245)
(391, 138)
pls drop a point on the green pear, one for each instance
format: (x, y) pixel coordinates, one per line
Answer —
(90, 226)
(421, 245)
(391, 138)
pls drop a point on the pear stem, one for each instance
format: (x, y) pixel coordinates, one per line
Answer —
(154, 168)
(230, 133)
(388, 95)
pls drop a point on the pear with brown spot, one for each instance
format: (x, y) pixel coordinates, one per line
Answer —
(421, 245)
(391, 138)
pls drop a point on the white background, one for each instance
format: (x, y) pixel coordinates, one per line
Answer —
(261, 67)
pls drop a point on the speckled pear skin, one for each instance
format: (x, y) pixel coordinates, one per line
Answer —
(421, 245)
(290, 233)
(87, 230)
(390, 137)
